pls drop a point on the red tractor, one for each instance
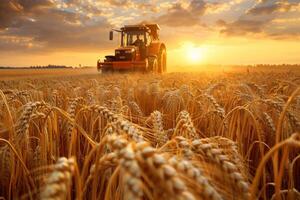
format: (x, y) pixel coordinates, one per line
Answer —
(140, 50)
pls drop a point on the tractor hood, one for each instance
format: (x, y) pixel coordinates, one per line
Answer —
(125, 53)
(128, 49)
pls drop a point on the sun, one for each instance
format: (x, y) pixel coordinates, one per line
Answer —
(193, 54)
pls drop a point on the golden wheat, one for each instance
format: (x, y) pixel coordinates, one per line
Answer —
(176, 136)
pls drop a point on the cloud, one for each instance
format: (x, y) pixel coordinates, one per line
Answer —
(242, 27)
(260, 20)
(181, 15)
(43, 27)
(33, 4)
(119, 2)
(59, 25)
(55, 25)
(134, 4)
(271, 6)
(146, 6)
(8, 11)
(178, 15)
(197, 7)
(12, 10)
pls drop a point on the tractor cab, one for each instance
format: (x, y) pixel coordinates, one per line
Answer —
(135, 40)
(139, 48)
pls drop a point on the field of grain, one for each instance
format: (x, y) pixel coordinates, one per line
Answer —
(12, 74)
(218, 135)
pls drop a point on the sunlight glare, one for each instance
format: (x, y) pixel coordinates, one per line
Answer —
(193, 54)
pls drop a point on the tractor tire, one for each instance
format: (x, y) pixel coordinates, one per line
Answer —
(147, 66)
(153, 65)
(162, 61)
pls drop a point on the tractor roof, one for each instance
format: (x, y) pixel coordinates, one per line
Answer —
(153, 29)
(153, 26)
(141, 27)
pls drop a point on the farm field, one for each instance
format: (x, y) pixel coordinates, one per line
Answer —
(232, 134)
(11, 74)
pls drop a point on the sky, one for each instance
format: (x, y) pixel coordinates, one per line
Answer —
(75, 32)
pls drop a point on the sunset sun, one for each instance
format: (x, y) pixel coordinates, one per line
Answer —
(193, 54)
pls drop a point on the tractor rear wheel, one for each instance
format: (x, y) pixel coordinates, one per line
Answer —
(162, 61)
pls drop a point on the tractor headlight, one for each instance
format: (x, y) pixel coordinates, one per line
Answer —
(129, 51)
(118, 52)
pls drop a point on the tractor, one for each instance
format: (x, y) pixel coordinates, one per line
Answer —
(140, 50)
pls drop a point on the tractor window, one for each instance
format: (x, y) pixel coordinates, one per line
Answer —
(124, 40)
(149, 39)
(134, 38)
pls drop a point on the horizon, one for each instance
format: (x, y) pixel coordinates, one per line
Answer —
(229, 32)
(174, 66)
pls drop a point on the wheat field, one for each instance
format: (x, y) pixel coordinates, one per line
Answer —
(185, 136)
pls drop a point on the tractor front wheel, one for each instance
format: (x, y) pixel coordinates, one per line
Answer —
(152, 65)
(147, 66)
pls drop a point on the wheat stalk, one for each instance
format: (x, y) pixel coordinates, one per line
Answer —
(185, 126)
(157, 121)
(57, 184)
(187, 168)
(214, 153)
